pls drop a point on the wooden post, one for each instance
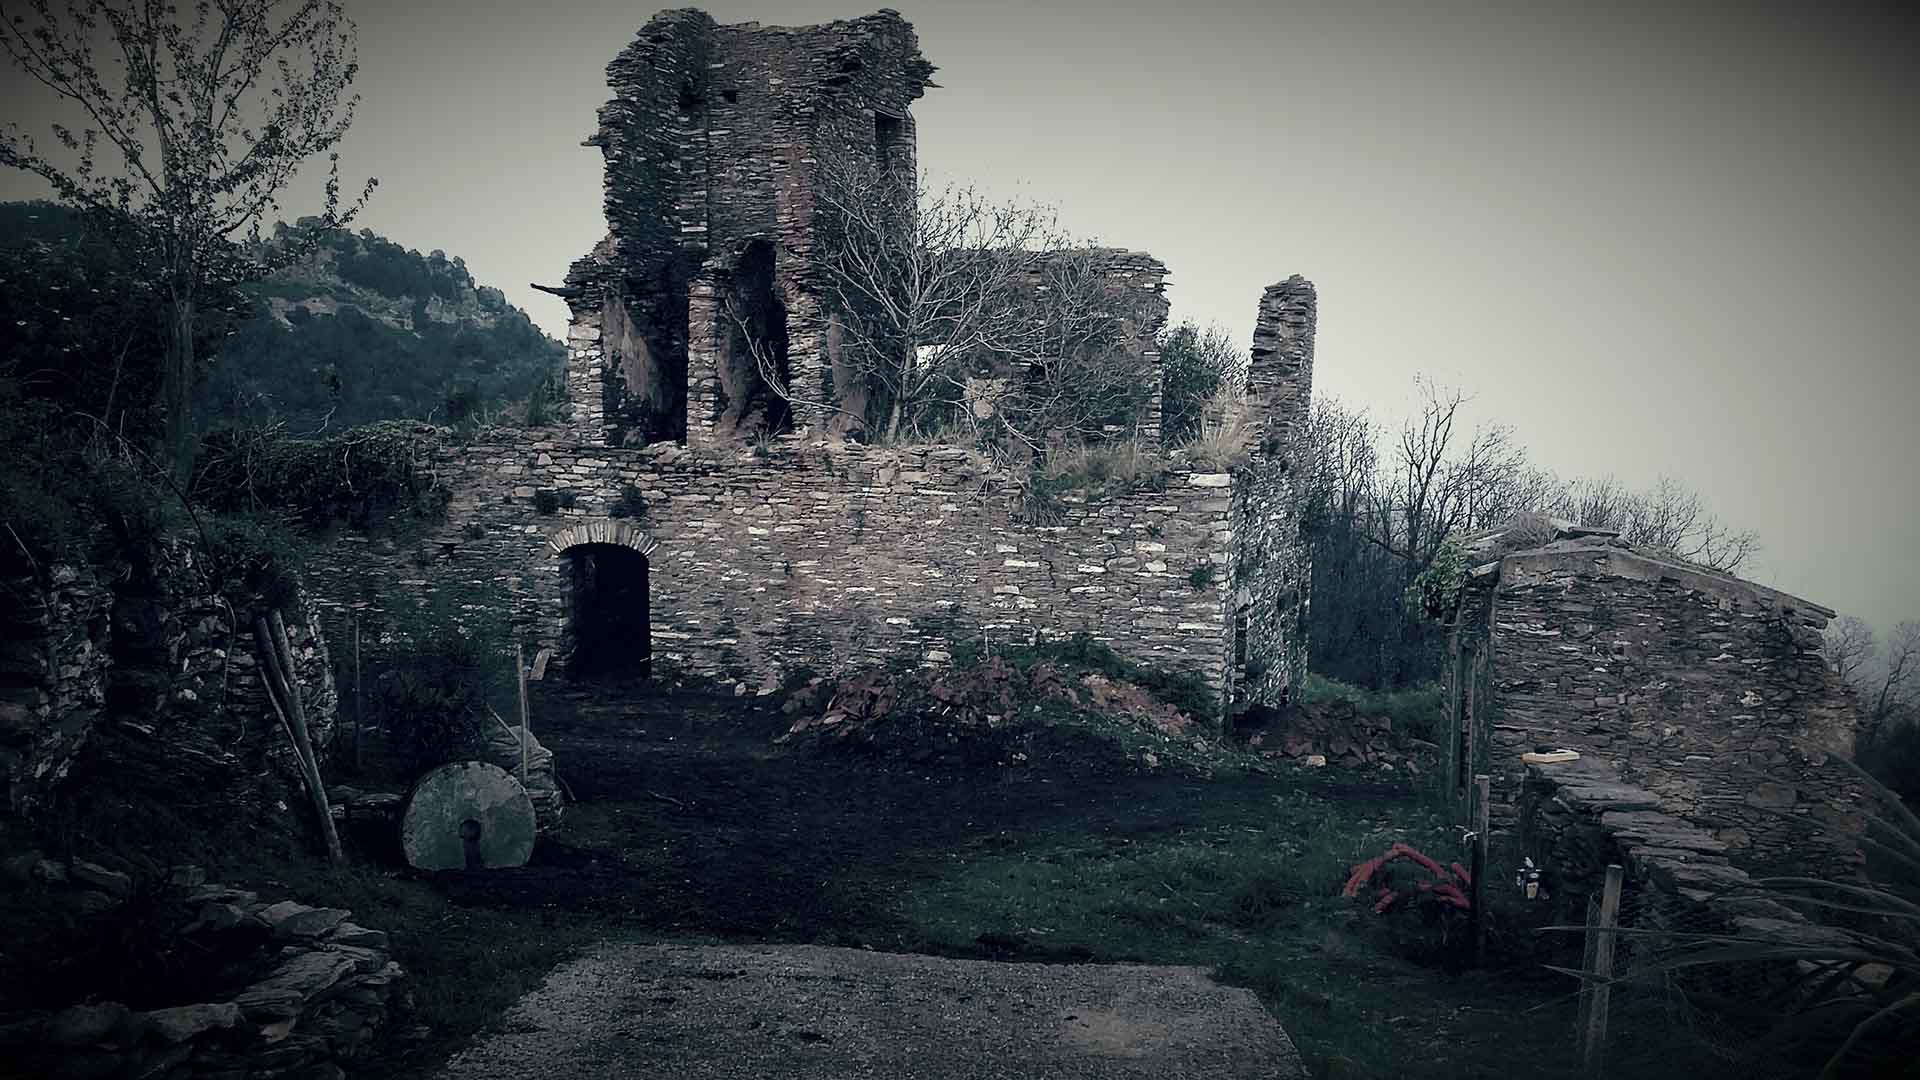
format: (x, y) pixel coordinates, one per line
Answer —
(1599, 981)
(359, 719)
(1482, 785)
(283, 689)
(520, 676)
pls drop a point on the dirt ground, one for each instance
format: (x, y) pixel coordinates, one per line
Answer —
(692, 825)
(717, 1012)
(691, 819)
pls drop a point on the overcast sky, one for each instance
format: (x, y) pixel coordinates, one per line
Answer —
(1649, 239)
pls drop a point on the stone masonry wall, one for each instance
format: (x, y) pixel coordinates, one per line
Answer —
(821, 554)
(1703, 689)
(155, 657)
(1270, 583)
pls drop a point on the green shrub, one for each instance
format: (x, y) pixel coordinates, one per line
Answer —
(1201, 576)
(1416, 711)
(251, 556)
(432, 699)
(1436, 591)
(367, 476)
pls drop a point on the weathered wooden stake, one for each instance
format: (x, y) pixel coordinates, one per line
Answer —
(1599, 981)
(358, 719)
(520, 676)
(283, 691)
(1482, 785)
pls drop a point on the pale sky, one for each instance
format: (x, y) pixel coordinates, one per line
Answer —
(1650, 238)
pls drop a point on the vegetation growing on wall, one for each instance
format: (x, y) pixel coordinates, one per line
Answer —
(371, 476)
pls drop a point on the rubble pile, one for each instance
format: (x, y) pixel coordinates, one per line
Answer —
(314, 991)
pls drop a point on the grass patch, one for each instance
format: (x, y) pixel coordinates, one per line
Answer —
(1189, 893)
(1221, 443)
(1416, 711)
(1250, 891)
(1089, 471)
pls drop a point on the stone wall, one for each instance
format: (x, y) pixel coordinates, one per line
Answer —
(148, 652)
(804, 551)
(819, 554)
(1704, 689)
(1270, 571)
(1576, 818)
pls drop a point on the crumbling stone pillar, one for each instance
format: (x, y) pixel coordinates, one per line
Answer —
(807, 377)
(707, 334)
(585, 389)
(1280, 368)
(1270, 570)
(1150, 415)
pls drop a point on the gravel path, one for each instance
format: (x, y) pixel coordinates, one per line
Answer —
(694, 1012)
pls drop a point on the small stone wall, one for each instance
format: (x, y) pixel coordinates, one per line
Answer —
(1705, 690)
(1575, 818)
(325, 994)
(155, 655)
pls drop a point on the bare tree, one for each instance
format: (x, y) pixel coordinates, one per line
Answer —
(1893, 687)
(932, 290)
(1848, 646)
(1674, 518)
(1668, 517)
(193, 120)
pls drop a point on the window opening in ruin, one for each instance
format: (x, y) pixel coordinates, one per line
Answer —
(756, 354)
(609, 630)
(887, 133)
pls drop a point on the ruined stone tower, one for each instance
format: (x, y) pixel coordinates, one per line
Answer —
(713, 139)
(642, 532)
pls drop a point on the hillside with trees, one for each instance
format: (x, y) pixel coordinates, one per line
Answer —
(360, 329)
(363, 329)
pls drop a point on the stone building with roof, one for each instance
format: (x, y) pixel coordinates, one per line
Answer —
(1707, 691)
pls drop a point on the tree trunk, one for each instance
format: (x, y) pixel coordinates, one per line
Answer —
(177, 386)
(896, 411)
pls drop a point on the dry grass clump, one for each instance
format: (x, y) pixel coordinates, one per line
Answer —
(1224, 440)
(1123, 464)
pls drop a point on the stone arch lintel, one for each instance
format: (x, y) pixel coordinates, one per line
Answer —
(608, 531)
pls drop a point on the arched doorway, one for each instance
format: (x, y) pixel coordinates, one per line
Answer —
(607, 620)
(606, 572)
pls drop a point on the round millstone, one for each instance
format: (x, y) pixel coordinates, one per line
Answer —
(467, 815)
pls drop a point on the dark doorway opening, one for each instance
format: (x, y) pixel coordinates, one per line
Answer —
(608, 626)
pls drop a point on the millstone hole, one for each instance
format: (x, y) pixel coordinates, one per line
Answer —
(470, 841)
